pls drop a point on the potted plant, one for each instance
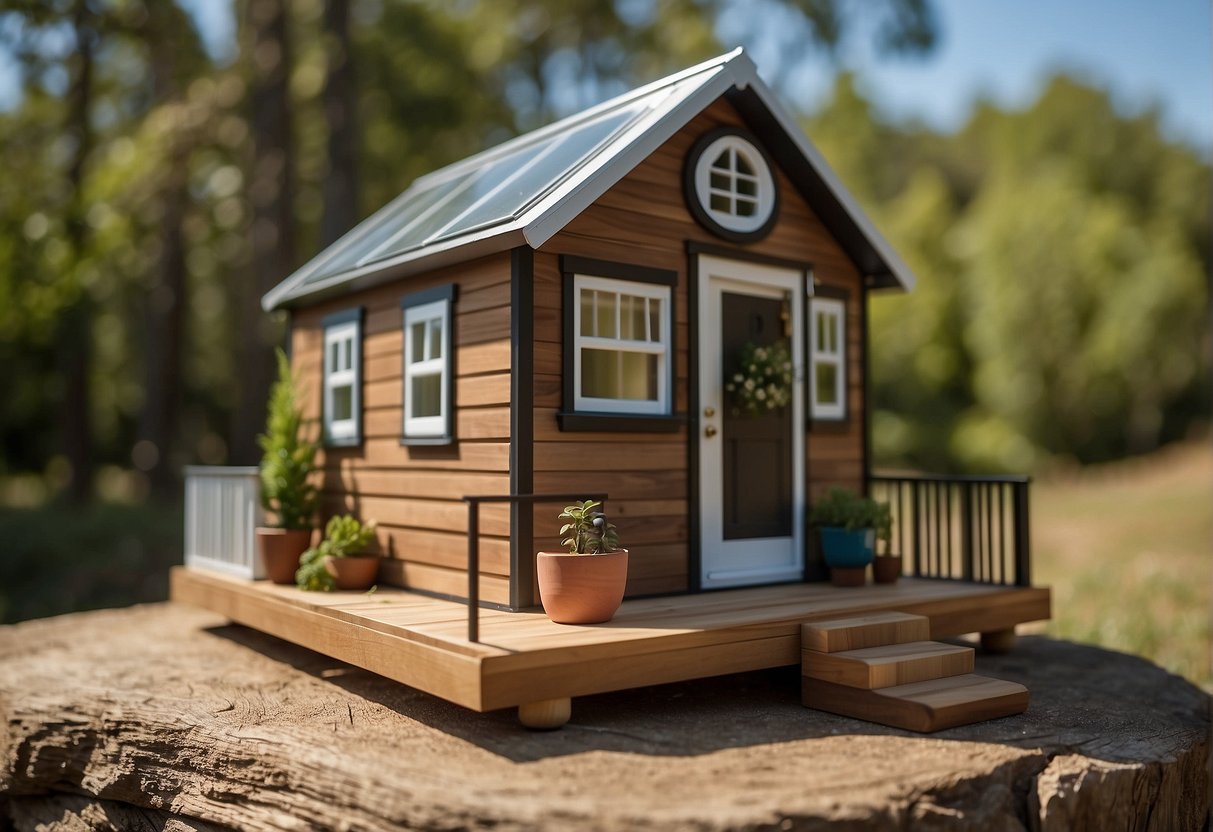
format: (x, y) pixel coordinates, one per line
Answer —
(339, 561)
(847, 524)
(286, 494)
(584, 585)
(886, 566)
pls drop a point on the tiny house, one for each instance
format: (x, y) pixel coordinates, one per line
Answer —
(565, 314)
(558, 314)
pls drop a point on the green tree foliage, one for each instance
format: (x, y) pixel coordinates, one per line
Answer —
(289, 458)
(1062, 302)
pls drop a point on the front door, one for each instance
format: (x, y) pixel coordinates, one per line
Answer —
(751, 458)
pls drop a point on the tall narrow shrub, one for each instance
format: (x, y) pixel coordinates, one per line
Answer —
(288, 457)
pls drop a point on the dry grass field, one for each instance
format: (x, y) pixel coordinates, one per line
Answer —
(1128, 550)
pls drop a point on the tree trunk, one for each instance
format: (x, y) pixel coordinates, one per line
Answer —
(74, 339)
(164, 303)
(340, 112)
(271, 194)
(163, 713)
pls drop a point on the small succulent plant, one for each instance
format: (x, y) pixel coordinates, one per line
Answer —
(344, 537)
(587, 530)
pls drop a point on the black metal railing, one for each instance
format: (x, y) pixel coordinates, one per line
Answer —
(474, 503)
(958, 527)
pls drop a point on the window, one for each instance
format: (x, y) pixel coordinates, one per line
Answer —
(733, 191)
(428, 383)
(620, 346)
(827, 358)
(343, 378)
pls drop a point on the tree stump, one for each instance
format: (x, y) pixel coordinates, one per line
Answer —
(166, 717)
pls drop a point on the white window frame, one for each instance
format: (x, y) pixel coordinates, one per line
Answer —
(661, 349)
(836, 309)
(427, 427)
(347, 334)
(764, 182)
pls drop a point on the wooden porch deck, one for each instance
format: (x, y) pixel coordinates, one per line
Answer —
(524, 658)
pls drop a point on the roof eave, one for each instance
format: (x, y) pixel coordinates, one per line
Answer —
(450, 252)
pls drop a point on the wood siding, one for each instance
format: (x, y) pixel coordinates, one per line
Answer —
(414, 493)
(643, 220)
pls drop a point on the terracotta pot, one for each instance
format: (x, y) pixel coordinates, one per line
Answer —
(848, 575)
(353, 573)
(280, 550)
(886, 569)
(582, 589)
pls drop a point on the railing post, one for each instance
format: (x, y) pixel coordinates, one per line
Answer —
(1023, 542)
(917, 535)
(473, 570)
(966, 531)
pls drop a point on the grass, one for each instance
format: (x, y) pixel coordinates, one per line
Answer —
(59, 558)
(1128, 550)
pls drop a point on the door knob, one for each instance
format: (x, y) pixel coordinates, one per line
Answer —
(709, 412)
(709, 431)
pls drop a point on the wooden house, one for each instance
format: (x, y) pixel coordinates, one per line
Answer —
(561, 314)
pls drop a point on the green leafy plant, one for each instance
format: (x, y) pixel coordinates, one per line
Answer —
(288, 458)
(842, 507)
(344, 537)
(762, 382)
(588, 530)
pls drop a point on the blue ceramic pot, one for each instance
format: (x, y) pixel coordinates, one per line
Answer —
(847, 548)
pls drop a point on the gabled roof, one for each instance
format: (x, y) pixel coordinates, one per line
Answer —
(524, 191)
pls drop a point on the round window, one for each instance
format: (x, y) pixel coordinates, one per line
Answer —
(732, 191)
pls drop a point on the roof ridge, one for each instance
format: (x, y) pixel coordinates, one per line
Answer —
(582, 116)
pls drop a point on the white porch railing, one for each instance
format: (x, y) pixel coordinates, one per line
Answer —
(221, 511)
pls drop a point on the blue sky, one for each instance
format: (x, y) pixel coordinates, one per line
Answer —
(1146, 53)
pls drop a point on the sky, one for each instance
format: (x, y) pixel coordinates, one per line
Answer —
(1147, 52)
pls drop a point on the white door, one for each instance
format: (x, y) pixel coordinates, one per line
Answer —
(751, 466)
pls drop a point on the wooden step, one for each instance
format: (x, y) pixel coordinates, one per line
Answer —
(921, 706)
(884, 667)
(856, 632)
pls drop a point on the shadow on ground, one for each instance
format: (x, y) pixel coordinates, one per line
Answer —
(1084, 699)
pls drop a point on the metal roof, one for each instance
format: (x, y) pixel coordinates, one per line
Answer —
(525, 190)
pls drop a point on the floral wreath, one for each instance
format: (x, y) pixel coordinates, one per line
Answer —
(762, 382)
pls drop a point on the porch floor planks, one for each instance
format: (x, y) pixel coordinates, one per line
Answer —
(525, 657)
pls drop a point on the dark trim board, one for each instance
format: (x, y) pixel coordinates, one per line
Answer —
(570, 264)
(730, 253)
(522, 425)
(570, 418)
(445, 293)
(354, 315)
(691, 198)
(864, 424)
(694, 498)
(843, 423)
(582, 420)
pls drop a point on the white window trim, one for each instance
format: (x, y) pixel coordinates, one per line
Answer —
(661, 348)
(427, 426)
(342, 431)
(836, 309)
(765, 197)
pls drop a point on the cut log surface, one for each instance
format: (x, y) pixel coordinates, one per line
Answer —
(166, 717)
